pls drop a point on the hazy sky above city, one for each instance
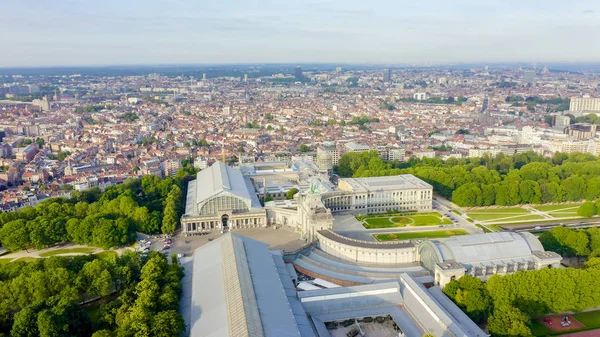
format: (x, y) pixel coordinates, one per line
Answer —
(109, 32)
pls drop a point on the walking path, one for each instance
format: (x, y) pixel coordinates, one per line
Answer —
(37, 254)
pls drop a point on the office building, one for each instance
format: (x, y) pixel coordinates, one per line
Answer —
(387, 75)
(355, 147)
(529, 77)
(585, 103)
(298, 73)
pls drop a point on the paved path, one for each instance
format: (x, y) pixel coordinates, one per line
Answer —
(33, 253)
(591, 333)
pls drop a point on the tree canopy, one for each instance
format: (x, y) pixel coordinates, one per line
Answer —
(44, 297)
(102, 219)
(526, 178)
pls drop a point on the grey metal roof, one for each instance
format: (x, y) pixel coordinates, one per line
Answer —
(237, 290)
(219, 178)
(401, 181)
(485, 247)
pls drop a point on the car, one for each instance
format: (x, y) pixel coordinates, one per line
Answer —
(168, 242)
(166, 246)
(538, 227)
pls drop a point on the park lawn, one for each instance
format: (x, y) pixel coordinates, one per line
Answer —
(418, 235)
(379, 222)
(564, 214)
(522, 218)
(557, 207)
(429, 220)
(68, 250)
(493, 216)
(539, 329)
(401, 220)
(502, 210)
(5, 261)
(590, 319)
(26, 259)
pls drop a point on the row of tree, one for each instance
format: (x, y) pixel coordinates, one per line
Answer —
(507, 303)
(501, 180)
(572, 242)
(109, 219)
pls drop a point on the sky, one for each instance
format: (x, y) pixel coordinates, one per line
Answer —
(129, 32)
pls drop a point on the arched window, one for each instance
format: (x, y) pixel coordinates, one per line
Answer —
(224, 203)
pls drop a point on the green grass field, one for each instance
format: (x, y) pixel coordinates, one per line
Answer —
(418, 219)
(380, 223)
(557, 207)
(26, 259)
(429, 220)
(68, 250)
(564, 214)
(493, 216)
(524, 217)
(539, 329)
(5, 261)
(418, 235)
(502, 210)
(590, 319)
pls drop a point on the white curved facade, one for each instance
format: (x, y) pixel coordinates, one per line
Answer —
(380, 253)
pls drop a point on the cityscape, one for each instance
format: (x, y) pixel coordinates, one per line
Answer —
(308, 169)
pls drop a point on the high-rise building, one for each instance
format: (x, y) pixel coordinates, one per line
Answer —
(585, 103)
(245, 77)
(338, 69)
(387, 75)
(204, 76)
(529, 77)
(298, 73)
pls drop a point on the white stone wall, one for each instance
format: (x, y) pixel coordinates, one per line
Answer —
(355, 253)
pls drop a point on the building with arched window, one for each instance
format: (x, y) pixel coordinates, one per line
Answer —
(221, 198)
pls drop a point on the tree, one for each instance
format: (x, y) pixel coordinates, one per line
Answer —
(14, 235)
(170, 215)
(587, 210)
(25, 323)
(303, 148)
(508, 321)
(168, 324)
(290, 194)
